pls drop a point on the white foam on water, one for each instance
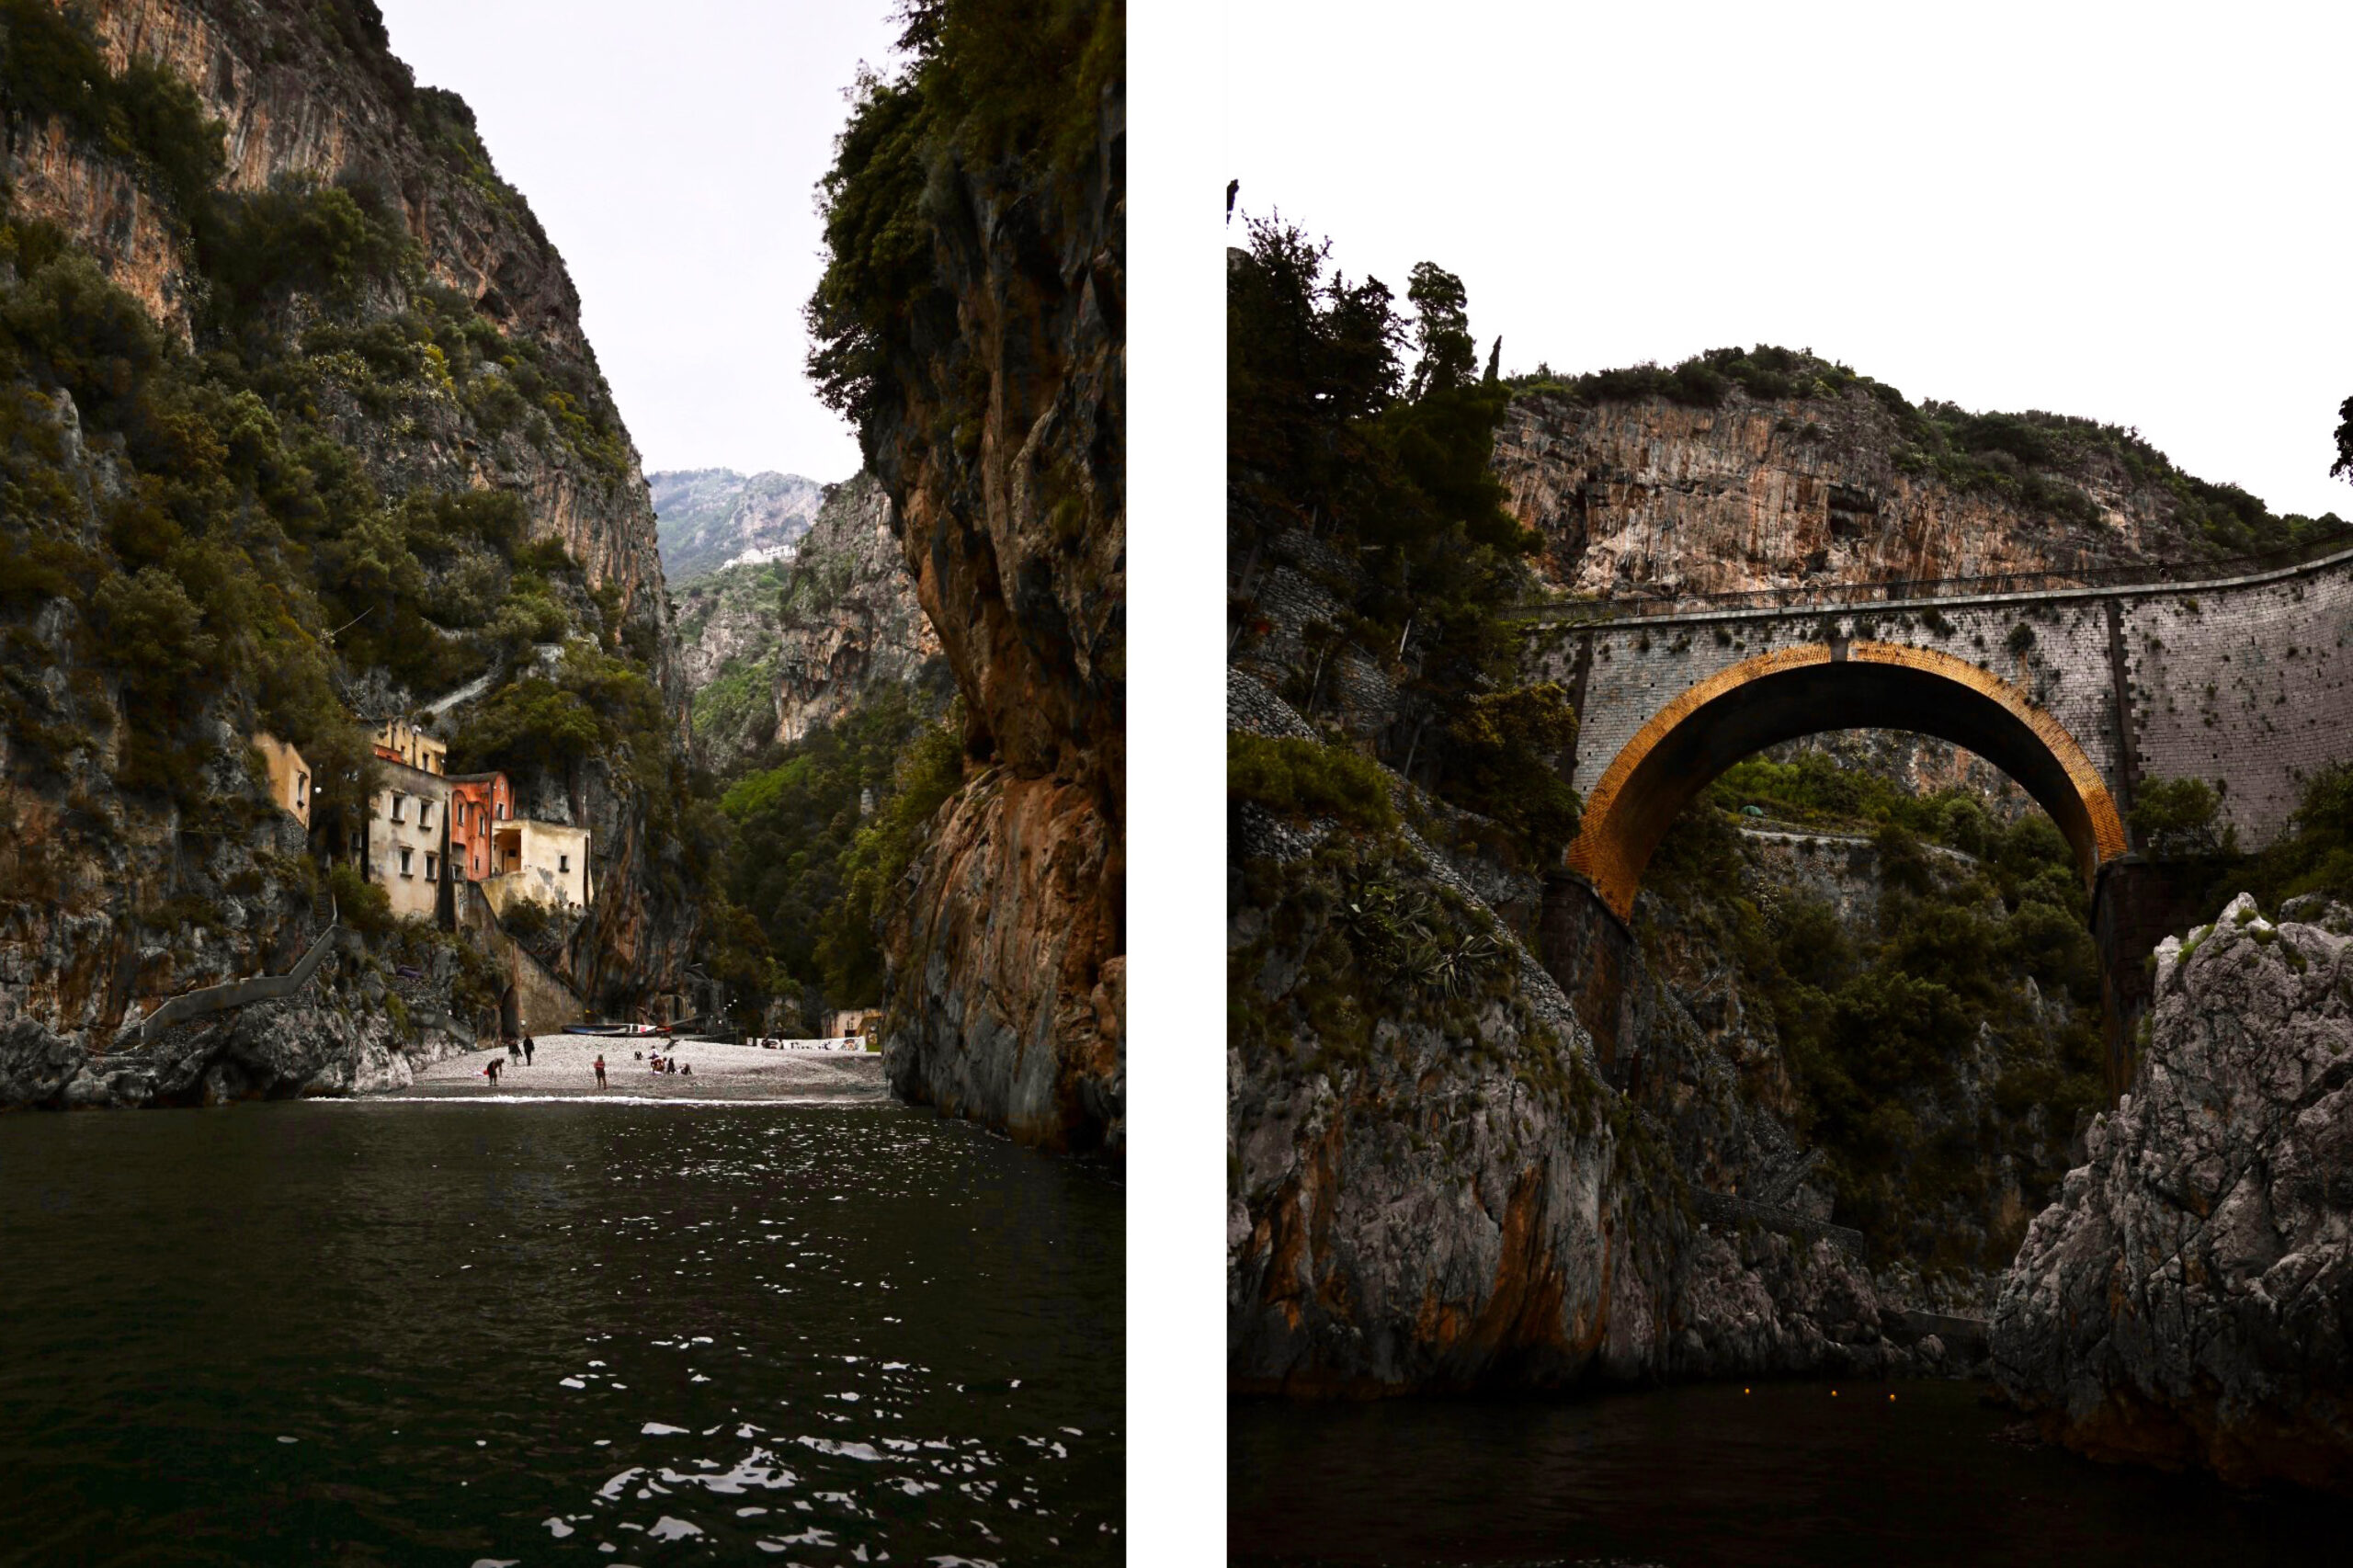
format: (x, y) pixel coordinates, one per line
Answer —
(847, 1450)
(758, 1468)
(290, 1439)
(655, 1429)
(612, 1491)
(571, 1383)
(668, 1529)
(556, 1527)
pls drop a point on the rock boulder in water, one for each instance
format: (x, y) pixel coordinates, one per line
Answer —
(2188, 1299)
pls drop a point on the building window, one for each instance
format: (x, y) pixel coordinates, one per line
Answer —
(425, 813)
(564, 863)
(396, 806)
(502, 810)
(429, 867)
(404, 855)
(302, 787)
(357, 842)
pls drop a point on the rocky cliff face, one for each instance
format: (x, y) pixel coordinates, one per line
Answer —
(315, 92)
(1650, 497)
(2189, 1298)
(714, 519)
(1433, 1188)
(328, 417)
(1004, 457)
(773, 649)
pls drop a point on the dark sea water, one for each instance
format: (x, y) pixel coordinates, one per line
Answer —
(454, 1333)
(1708, 1475)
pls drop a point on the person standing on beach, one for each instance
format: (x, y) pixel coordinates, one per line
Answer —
(527, 1051)
(600, 1068)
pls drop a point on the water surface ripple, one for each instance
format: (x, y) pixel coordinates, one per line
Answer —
(1708, 1476)
(356, 1332)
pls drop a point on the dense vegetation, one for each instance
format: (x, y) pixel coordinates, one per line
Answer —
(1328, 432)
(817, 834)
(2036, 459)
(239, 563)
(985, 81)
(1882, 1022)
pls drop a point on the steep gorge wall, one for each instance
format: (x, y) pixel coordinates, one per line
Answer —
(1004, 458)
(1653, 497)
(119, 901)
(773, 649)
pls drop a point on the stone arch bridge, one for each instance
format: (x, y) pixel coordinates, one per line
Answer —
(2080, 686)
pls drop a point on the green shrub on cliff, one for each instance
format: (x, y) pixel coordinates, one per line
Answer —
(824, 827)
(987, 83)
(1501, 762)
(1880, 1021)
(1302, 777)
(1401, 483)
(2176, 816)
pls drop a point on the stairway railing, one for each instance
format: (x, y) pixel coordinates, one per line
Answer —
(234, 992)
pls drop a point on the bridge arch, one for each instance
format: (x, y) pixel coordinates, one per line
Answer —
(1804, 690)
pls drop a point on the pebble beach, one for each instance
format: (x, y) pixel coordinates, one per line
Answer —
(562, 1067)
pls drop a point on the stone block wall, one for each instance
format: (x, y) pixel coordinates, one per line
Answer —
(2249, 687)
(2247, 683)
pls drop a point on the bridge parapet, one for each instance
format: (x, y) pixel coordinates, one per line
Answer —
(2335, 549)
(2244, 680)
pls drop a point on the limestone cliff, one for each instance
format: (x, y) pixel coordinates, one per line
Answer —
(992, 410)
(1431, 1185)
(316, 92)
(347, 455)
(2189, 1299)
(773, 648)
(1635, 492)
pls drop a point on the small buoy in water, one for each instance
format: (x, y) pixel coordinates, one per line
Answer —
(1744, 1391)
(1890, 1399)
(1834, 1393)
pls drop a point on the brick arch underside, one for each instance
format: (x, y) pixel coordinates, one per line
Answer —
(1802, 691)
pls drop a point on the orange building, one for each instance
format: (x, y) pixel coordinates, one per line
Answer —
(478, 802)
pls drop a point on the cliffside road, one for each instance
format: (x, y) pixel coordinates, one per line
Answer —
(562, 1068)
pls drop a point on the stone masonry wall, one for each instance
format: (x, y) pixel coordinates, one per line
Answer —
(2246, 683)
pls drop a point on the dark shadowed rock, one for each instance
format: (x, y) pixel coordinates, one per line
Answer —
(2187, 1300)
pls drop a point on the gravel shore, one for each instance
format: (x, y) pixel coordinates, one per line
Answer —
(562, 1067)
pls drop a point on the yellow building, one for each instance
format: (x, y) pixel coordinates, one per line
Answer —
(399, 741)
(406, 848)
(538, 862)
(289, 776)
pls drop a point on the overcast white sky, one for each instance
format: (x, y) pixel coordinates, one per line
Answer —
(2133, 215)
(672, 151)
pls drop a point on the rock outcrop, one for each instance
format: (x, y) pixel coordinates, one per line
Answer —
(2190, 1298)
(771, 650)
(1434, 1190)
(130, 889)
(1002, 452)
(1649, 497)
(357, 1027)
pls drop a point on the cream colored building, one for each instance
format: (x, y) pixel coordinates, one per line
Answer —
(407, 841)
(289, 776)
(399, 741)
(541, 863)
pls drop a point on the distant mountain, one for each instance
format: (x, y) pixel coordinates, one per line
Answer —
(715, 518)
